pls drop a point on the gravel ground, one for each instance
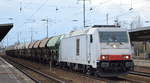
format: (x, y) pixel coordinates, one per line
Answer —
(72, 77)
(142, 69)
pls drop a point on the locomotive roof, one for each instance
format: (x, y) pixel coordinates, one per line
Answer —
(99, 26)
(96, 27)
(78, 32)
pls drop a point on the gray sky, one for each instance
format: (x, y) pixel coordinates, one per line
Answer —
(61, 14)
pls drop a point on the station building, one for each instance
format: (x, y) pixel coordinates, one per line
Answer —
(140, 38)
(4, 29)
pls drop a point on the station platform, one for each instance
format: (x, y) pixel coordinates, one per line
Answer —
(9, 74)
(142, 62)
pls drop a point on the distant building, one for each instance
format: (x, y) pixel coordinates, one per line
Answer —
(140, 38)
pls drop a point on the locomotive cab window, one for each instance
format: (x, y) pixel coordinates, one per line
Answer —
(78, 47)
(110, 36)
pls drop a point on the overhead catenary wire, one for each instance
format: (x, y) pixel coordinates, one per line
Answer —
(36, 11)
(39, 8)
(60, 8)
(57, 7)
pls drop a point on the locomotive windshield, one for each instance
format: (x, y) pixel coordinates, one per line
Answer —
(109, 36)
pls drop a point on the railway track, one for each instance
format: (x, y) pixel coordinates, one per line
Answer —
(107, 79)
(138, 77)
(119, 79)
(114, 79)
(35, 75)
(87, 77)
(140, 73)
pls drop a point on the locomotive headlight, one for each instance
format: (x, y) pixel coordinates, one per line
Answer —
(126, 56)
(114, 46)
(104, 57)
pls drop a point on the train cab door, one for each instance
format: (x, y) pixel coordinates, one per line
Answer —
(90, 41)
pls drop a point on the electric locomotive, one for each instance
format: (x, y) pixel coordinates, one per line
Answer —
(104, 50)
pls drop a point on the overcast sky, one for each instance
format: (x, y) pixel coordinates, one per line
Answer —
(66, 15)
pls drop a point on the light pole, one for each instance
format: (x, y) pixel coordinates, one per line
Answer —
(107, 18)
(131, 8)
(84, 13)
(131, 25)
(7, 41)
(84, 17)
(31, 35)
(46, 26)
(30, 21)
(19, 36)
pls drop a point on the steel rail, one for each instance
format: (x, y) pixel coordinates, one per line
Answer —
(34, 70)
(140, 73)
(105, 79)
